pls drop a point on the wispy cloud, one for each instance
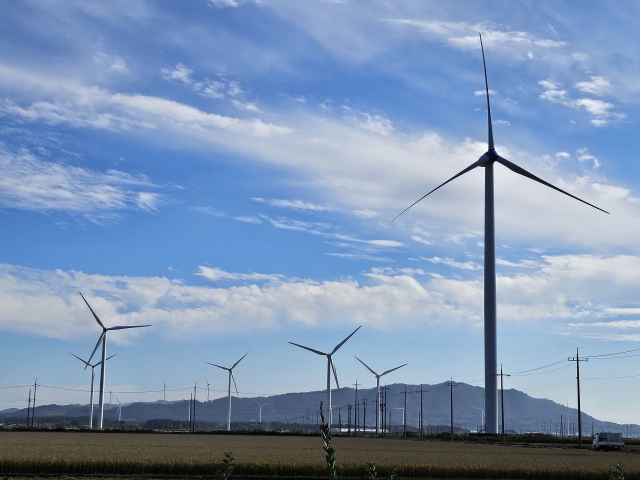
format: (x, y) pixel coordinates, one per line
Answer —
(452, 263)
(114, 62)
(216, 274)
(30, 183)
(464, 36)
(295, 204)
(216, 213)
(600, 110)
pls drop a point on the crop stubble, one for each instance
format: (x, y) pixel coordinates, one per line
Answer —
(297, 450)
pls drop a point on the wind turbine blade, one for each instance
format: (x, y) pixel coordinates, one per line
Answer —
(94, 313)
(486, 83)
(307, 348)
(367, 366)
(234, 365)
(223, 368)
(94, 350)
(343, 341)
(515, 168)
(234, 382)
(109, 358)
(86, 363)
(389, 371)
(128, 326)
(480, 163)
(335, 374)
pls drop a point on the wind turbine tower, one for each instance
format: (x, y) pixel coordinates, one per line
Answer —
(378, 419)
(490, 329)
(231, 377)
(330, 366)
(103, 339)
(261, 405)
(93, 374)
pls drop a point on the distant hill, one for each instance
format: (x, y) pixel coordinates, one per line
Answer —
(522, 412)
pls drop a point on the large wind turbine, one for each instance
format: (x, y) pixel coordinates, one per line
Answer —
(103, 339)
(378, 419)
(490, 337)
(93, 374)
(231, 377)
(330, 366)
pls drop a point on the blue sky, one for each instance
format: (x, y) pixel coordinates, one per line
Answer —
(227, 170)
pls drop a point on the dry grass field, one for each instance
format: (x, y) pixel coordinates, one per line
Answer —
(298, 450)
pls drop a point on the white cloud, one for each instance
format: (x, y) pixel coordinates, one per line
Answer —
(358, 170)
(296, 204)
(419, 239)
(116, 64)
(216, 213)
(480, 93)
(599, 109)
(597, 86)
(584, 156)
(217, 274)
(365, 213)
(93, 107)
(464, 36)
(251, 107)
(234, 89)
(29, 183)
(180, 73)
(450, 262)
(224, 3)
(576, 292)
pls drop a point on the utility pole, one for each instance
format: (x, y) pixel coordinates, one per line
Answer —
(502, 375)
(357, 419)
(349, 419)
(357, 409)
(29, 408)
(577, 359)
(190, 407)
(561, 428)
(421, 412)
(194, 407)
(33, 414)
(404, 429)
(383, 407)
(451, 384)
(364, 409)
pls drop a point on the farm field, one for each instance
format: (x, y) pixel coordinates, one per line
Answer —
(254, 449)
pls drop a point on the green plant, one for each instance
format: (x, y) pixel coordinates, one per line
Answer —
(617, 474)
(394, 473)
(330, 453)
(372, 472)
(227, 467)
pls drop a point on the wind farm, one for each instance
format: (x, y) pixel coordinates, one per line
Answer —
(250, 176)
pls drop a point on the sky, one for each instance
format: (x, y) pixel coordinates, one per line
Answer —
(227, 171)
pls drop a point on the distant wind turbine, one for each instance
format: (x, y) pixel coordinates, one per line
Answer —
(330, 366)
(231, 377)
(103, 339)
(378, 419)
(261, 405)
(490, 334)
(93, 374)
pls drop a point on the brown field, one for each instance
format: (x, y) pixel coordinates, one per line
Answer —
(299, 450)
